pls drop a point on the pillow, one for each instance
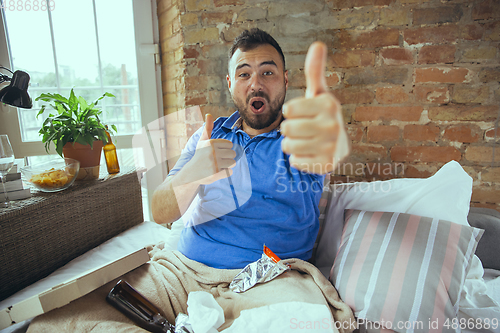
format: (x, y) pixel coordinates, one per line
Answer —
(445, 195)
(399, 270)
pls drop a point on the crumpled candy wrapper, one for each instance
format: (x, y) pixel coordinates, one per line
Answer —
(263, 270)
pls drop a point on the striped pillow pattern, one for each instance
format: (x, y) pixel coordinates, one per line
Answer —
(403, 271)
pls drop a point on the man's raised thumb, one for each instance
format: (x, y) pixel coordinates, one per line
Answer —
(315, 69)
(209, 126)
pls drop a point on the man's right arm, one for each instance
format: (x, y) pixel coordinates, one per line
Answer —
(210, 162)
(172, 198)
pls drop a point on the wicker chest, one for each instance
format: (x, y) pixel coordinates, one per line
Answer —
(41, 234)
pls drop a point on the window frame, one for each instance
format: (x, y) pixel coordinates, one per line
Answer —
(149, 84)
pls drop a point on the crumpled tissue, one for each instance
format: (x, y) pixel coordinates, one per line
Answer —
(205, 315)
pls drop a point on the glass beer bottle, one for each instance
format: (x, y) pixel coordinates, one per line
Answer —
(110, 155)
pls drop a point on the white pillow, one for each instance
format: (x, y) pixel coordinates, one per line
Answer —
(445, 195)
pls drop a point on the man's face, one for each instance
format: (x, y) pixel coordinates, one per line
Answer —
(258, 86)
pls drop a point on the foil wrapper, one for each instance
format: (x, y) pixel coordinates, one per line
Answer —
(268, 267)
(182, 324)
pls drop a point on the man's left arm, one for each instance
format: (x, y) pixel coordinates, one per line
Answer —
(314, 130)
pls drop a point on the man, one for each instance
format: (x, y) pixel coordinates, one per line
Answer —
(256, 177)
(238, 186)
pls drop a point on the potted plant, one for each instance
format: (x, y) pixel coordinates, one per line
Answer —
(76, 130)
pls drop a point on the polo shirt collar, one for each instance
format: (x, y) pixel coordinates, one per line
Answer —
(234, 122)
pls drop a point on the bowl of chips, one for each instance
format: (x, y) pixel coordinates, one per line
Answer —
(52, 176)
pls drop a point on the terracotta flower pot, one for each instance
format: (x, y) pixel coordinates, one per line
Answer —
(89, 157)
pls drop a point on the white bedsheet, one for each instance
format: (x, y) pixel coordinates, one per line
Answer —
(480, 305)
(492, 279)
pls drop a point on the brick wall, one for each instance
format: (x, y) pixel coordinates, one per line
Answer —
(418, 79)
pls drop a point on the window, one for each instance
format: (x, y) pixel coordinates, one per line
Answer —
(93, 46)
(92, 52)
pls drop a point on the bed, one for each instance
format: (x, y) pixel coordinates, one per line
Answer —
(360, 249)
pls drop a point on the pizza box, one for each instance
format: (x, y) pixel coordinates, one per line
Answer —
(70, 290)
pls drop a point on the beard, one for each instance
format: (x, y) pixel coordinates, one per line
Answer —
(265, 119)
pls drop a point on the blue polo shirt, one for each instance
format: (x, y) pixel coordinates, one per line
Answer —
(265, 201)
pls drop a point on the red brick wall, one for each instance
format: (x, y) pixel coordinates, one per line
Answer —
(418, 79)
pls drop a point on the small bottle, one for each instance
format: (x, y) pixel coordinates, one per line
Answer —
(110, 155)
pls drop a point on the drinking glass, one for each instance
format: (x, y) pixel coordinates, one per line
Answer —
(6, 163)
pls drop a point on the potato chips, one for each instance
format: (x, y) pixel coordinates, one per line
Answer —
(53, 178)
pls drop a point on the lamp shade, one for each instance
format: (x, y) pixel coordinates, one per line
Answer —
(16, 93)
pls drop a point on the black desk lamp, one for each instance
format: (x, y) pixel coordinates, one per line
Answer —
(16, 93)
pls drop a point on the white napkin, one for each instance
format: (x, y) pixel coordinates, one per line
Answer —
(205, 314)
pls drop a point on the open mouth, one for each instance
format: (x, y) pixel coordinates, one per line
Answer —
(257, 104)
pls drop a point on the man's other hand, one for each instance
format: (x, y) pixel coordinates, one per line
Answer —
(315, 135)
(213, 158)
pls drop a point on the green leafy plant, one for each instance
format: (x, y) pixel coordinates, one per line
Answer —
(76, 121)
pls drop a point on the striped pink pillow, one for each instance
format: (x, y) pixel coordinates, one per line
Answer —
(399, 270)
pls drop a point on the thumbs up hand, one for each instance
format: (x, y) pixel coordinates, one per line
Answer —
(213, 157)
(315, 135)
